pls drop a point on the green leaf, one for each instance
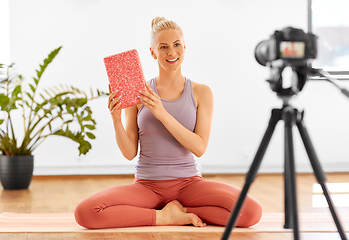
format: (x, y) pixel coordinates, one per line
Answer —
(87, 118)
(71, 110)
(32, 88)
(84, 146)
(29, 95)
(91, 127)
(7, 104)
(47, 61)
(47, 92)
(16, 91)
(26, 103)
(90, 135)
(4, 101)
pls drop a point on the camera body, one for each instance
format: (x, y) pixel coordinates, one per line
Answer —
(292, 45)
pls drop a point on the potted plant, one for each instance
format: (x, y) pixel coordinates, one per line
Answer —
(60, 110)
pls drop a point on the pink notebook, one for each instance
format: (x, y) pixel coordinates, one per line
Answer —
(126, 75)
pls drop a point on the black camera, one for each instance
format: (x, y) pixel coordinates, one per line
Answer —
(292, 45)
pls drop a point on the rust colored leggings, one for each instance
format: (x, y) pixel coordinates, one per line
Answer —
(135, 204)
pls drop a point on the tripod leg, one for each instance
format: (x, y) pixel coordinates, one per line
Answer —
(290, 172)
(251, 175)
(319, 173)
(287, 188)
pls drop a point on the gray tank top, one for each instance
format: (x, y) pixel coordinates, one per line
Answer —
(161, 156)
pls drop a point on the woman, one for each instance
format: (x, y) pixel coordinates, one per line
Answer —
(172, 123)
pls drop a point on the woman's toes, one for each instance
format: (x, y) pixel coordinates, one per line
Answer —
(196, 221)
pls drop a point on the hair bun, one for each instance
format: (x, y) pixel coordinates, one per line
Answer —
(156, 21)
(159, 24)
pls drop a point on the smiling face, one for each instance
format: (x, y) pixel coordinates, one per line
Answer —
(169, 49)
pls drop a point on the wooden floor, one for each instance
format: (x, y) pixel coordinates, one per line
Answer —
(48, 194)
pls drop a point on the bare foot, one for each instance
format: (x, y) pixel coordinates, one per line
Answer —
(179, 204)
(172, 214)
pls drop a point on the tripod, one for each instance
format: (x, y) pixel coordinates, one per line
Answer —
(291, 116)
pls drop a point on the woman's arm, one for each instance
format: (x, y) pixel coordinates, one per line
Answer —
(126, 138)
(196, 141)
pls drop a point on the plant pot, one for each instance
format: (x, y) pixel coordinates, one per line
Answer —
(16, 172)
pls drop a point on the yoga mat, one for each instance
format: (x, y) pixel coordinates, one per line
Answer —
(64, 222)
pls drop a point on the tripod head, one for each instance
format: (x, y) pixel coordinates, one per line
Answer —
(299, 77)
(300, 74)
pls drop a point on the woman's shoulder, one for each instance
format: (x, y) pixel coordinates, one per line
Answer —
(200, 88)
(202, 93)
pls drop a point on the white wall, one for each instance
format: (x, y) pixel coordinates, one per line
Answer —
(5, 32)
(221, 36)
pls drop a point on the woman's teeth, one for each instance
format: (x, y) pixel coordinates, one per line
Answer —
(172, 60)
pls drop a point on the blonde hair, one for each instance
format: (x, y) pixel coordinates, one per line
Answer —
(159, 24)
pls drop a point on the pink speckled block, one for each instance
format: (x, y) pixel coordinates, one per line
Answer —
(126, 75)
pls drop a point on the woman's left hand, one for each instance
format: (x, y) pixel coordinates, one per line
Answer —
(152, 101)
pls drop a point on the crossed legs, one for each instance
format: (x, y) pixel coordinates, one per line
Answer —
(171, 202)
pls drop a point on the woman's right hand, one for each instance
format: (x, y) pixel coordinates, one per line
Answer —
(113, 105)
(126, 137)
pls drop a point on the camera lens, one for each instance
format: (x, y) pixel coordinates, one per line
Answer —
(261, 52)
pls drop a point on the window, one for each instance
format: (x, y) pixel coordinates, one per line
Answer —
(329, 20)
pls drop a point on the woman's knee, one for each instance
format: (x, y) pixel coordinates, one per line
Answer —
(84, 216)
(252, 213)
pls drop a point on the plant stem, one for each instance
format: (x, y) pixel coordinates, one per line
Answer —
(23, 108)
(27, 139)
(39, 132)
(12, 130)
(7, 94)
(35, 144)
